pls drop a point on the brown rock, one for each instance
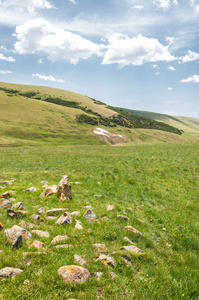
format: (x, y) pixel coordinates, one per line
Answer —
(110, 207)
(36, 244)
(49, 190)
(64, 189)
(74, 274)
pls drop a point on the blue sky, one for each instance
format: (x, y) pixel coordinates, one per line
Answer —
(138, 54)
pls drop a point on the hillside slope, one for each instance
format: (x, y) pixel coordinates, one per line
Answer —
(34, 115)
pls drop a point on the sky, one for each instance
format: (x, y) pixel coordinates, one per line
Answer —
(136, 54)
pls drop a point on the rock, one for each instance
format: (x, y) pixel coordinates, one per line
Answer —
(64, 219)
(12, 199)
(11, 213)
(31, 189)
(36, 217)
(79, 260)
(1, 226)
(50, 218)
(26, 282)
(10, 272)
(99, 245)
(113, 275)
(22, 212)
(6, 182)
(110, 207)
(18, 205)
(41, 233)
(64, 189)
(106, 218)
(98, 275)
(26, 225)
(78, 225)
(123, 217)
(64, 246)
(59, 238)
(128, 240)
(54, 211)
(41, 211)
(131, 228)
(74, 274)
(107, 259)
(5, 203)
(49, 190)
(36, 244)
(75, 213)
(17, 242)
(13, 232)
(5, 195)
(133, 249)
(164, 229)
(90, 216)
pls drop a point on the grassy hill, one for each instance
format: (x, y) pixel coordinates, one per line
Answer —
(37, 115)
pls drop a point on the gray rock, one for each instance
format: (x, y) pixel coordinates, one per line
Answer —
(75, 213)
(110, 207)
(64, 219)
(31, 189)
(5, 195)
(41, 211)
(74, 274)
(5, 203)
(59, 238)
(98, 275)
(133, 249)
(41, 233)
(99, 245)
(54, 211)
(68, 246)
(18, 205)
(128, 240)
(36, 244)
(7, 182)
(11, 213)
(10, 272)
(107, 259)
(49, 190)
(123, 217)
(131, 228)
(79, 260)
(64, 189)
(113, 275)
(13, 232)
(36, 217)
(90, 216)
(78, 225)
(26, 225)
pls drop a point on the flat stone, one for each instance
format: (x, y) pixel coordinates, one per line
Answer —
(10, 272)
(31, 189)
(106, 218)
(107, 259)
(128, 240)
(26, 225)
(5, 203)
(13, 232)
(125, 218)
(36, 244)
(64, 219)
(75, 213)
(52, 189)
(54, 211)
(59, 238)
(11, 213)
(74, 274)
(36, 217)
(131, 228)
(41, 211)
(6, 182)
(98, 275)
(78, 225)
(90, 216)
(79, 260)
(41, 233)
(99, 245)
(50, 218)
(64, 189)
(5, 195)
(113, 275)
(133, 249)
(18, 205)
(110, 207)
(64, 246)
(22, 212)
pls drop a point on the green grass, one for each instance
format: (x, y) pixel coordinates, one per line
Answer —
(145, 182)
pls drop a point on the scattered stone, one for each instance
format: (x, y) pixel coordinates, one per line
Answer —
(17, 242)
(10, 272)
(1, 226)
(123, 217)
(133, 249)
(59, 238)
(5, 203)
(12, 199)
(99, 245)
(26, 282)
(79, 260)
(164, 229)
(13, 232)
(11, 213)
(31, 189)
(18, 205)
(64, 246)
(64, 219)
(22, 212)
(110, 207)
(90, 216)
(64, 189)
(36, 244)
(98, 275)
(49, 190)
(41, 211)
(36, 217)
(41, 233)
(113, 275)
(128, 240)
(26, 225)
(5, 195)
(75, 213)
(106, 218)
(74, 274)
(50, 218)
(131, 228)
(6, 182)
(54, 211)
(78, 225)
(107, 259)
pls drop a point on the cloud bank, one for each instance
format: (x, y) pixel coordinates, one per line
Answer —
(48, 77)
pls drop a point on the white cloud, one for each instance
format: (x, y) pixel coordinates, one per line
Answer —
(5, 72)
(164, 4)
(7, 58)
(171, 68)
(194, 5)
(156, 66)
(48, 77)
(194, 78)
(139, 7)
(73, 1)
(169, 88)
(138, 50)
(29, 5)
(39, 35)
(191, 56)
(40, 61)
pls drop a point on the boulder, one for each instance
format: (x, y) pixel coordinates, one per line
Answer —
(107, 259)
(10, 272)
(36, 244)
(36, 217)
(64, 189)
(73, 274)
(26, 224)
(49, 190)
(5, 203)
(90, 216)
(13, 232)
(18, 205)
(41, 233)
(64, 219)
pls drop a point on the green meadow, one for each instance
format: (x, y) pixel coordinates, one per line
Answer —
(155, 185)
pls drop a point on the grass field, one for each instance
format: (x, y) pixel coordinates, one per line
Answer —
(155, 186)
